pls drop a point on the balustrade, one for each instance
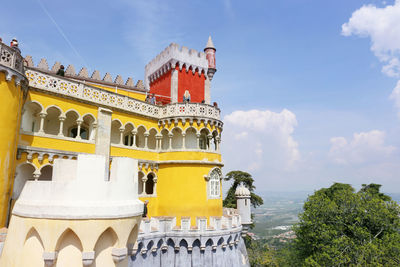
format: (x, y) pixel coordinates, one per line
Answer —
(95, 95)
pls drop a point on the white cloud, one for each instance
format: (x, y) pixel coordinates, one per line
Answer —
(256, 140)
(365, 147)
(382, 25)
(395, 96)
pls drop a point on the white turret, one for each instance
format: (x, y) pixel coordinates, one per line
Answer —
(243, 205)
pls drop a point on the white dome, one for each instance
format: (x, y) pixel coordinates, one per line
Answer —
(242, 191)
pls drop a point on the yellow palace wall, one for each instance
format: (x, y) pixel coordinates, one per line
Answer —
(181, 188)
(10, 112)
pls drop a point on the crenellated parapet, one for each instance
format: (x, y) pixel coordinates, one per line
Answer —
(214, 242)
(173, 56)
(83, 75)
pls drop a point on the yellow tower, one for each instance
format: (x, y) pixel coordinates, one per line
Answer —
(12, 94)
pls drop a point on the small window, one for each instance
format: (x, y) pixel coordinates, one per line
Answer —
(214, 183)
(203, 142)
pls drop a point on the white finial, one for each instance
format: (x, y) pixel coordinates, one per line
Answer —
(210, 43)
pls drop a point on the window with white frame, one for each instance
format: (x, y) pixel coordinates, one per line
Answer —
(214, 183)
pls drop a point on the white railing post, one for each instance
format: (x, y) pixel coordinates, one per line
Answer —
(60, 131)
(41, 123)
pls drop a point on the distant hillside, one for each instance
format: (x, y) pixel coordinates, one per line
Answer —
(394, 196)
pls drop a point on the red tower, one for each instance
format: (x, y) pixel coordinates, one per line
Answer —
(176, 70)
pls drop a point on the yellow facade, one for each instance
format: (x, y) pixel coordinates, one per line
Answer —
(181, 188)
(11, 96)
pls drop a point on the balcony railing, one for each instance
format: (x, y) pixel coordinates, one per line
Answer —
(102, 97)
(11, 58)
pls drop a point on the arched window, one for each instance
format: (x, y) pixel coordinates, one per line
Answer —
(151, 142)
(165, 140)
(150, 184)
(177, 138)
(51, 122)
(30, 117)
(191, 138)
(214, 183)
(203, 139)
(46, 173)
(215, 141)
(140, 139)
(128, 136)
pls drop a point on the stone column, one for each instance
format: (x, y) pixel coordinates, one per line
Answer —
(218, 143)
(134, 132)
(158, 142)
(198, 140)
(170, 140)
(144, 180)
(60, 131)
(146, 137)
(41, 123)
(155, 185)
(121, 135)
(184, 140)
(210, 136)
(78, 132)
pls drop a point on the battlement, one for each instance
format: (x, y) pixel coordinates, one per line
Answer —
(83, 74)
(172, 56)
(81, 190)
(161, 225)
(207, 244)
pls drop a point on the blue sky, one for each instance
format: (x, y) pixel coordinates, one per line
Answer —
(313, 98)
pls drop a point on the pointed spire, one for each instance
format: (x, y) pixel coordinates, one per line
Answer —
(210, 43)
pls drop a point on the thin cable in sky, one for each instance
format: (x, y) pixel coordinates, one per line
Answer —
(61, 32)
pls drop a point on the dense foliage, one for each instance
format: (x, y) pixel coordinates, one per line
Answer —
(245, 178)
(341, 227)
(259, 253)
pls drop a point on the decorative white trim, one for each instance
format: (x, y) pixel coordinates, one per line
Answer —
(200, 162)
(167, 150)
(89, 94)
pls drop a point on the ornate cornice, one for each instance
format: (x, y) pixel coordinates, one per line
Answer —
(68, 88)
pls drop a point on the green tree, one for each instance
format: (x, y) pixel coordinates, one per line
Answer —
(259, 253)
(241, 177)
(341, 227)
